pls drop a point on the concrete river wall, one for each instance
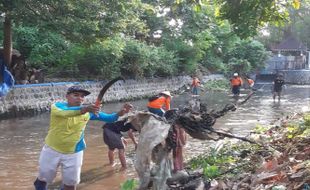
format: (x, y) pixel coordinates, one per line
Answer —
(297, 76)
(31, 99)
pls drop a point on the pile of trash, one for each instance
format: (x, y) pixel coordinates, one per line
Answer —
(280, 162)
(275, 157)
(156, 140)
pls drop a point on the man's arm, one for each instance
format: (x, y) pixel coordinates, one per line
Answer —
(132, 137)
(241, 81)
(101, 116)
(111, 117)
(62, 109)
(125, 109)
(167, 104)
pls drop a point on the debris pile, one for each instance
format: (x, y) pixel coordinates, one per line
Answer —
(282, 163)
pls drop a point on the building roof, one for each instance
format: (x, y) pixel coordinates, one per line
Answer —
(290, 44)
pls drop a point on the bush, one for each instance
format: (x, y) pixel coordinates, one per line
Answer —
(135, 59)
(101, 59)
(188, 56)
(161, 63)
(217, 85)
(130, 184)
(41, 49)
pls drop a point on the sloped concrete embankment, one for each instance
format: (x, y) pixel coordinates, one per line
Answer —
(297, 76)
(32, 99)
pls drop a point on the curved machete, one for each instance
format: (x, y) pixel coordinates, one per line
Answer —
(105, 88)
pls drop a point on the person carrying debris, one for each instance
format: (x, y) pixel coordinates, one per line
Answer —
(250, 82)
(277, 86)
(113, 138)
(160, 103)
(235, 83)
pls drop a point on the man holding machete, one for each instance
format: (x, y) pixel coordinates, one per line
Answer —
(64, 143)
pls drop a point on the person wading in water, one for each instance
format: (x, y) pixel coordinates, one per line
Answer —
(277, 86)
(64, 143)
(195, 85)
(235, 83)
(113, 138)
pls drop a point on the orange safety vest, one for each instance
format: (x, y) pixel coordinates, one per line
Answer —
(195, 82)
(236, 81)
(159, 103)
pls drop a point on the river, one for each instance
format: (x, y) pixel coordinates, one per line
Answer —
(22, 138)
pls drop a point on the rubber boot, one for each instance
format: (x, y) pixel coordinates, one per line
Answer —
(40, 185)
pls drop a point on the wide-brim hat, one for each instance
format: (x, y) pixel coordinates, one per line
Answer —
(77, 89)
(166, 93)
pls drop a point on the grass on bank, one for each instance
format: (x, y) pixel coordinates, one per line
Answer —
(217, 85)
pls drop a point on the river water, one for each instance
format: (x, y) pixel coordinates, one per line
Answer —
(22, 138)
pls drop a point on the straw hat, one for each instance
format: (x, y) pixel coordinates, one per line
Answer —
(166, 93)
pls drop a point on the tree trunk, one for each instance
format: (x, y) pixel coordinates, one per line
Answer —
(7, 41)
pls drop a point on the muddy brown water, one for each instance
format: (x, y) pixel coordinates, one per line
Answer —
(21, 139)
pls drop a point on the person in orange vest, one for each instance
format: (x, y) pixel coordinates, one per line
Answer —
(235, 83)
(250, 82)
(159, 103)
(195, 85)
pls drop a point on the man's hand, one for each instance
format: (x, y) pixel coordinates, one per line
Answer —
(125, 109)
(90, 108)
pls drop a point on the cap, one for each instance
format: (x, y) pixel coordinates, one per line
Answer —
(235, 74)
(77, 89)
(166, 93)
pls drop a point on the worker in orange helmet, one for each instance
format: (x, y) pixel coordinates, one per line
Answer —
(235, 83)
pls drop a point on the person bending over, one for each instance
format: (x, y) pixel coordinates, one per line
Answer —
(113, 138)
(160, 103)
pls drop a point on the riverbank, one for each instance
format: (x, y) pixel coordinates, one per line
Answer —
(281, 162)
(36, 98)
(22, 138)
(32, 99)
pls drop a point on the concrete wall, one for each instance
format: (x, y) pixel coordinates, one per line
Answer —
(296, 76)
(290, 76)
(32, 99)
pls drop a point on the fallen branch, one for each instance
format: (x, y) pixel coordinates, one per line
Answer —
(229, 135)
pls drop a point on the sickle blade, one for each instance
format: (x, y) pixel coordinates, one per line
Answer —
(105, 88)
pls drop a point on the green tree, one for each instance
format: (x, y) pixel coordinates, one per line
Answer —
(298, 27)
(57, 15)
(246, 56)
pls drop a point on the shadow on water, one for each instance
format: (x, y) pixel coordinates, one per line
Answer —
(22, 138)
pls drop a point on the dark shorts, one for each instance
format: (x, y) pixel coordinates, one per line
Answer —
(112, 139)
(278, 90)
(236, 90)
(158, 112)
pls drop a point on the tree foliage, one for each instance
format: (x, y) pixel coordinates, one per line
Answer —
(141, 38)
(298, 26)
